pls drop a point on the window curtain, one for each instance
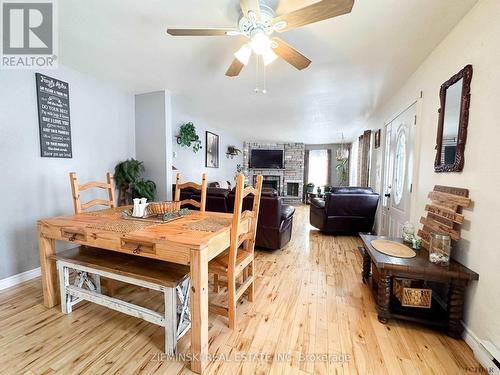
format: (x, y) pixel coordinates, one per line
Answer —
(363, 172)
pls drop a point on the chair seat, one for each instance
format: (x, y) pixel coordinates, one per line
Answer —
(221, 262)
(163, 273)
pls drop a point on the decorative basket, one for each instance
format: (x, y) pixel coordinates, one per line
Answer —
(411, 294)
(161, 208)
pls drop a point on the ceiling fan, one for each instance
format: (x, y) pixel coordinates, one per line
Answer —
(259, 22)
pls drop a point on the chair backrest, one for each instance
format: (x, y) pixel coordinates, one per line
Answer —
(201, 187)
(248, 237)
(76, 189)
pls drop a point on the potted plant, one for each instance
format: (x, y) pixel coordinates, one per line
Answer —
(128, 178)
(188, 137)
(310, 187)
(232, 151)
(343, 171)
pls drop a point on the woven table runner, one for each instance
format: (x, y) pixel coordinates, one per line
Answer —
(106, 211)
(122, 226)
(209, 224)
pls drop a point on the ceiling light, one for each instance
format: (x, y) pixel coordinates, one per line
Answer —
(268, 56)
(260, 42)
(243, 54)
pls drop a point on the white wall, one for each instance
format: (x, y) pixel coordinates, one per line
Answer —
(475, 40)
(153, 133)
(191, 165)
(102, 126)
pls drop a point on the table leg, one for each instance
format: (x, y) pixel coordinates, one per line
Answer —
(46, 248)
(367, 265)
(384, 297)
(456, 298)
(199, 310)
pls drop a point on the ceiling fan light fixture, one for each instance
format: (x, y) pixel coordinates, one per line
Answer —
(243, 54)
(269, 56)
(260, 42)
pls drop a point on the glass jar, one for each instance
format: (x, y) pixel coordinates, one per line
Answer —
(408, 232)
(440, 249)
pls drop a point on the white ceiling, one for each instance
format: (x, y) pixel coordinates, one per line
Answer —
(358, 60)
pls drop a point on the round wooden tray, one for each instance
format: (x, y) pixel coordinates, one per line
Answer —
(394, 249)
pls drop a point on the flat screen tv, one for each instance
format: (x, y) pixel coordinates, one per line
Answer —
(266, 159)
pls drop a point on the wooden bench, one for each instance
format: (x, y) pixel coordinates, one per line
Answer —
(91, 263)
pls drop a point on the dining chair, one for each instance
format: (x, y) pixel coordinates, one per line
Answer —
(84, 277)
(201, 187)
(237, 263)
(76, 189)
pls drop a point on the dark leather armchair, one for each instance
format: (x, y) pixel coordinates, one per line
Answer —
(345, 210)
(216, 199)
(274, 227)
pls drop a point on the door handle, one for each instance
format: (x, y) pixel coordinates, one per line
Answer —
(387, 195)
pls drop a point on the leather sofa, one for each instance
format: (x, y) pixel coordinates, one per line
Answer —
(217, 198)
(274, 227)
(345, 210)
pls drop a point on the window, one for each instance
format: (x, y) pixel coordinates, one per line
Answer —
(318, 167)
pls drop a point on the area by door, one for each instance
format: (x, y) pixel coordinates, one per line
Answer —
(398, 172)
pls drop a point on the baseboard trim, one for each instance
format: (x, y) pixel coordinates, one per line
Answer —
(483, 356)
(19, 278)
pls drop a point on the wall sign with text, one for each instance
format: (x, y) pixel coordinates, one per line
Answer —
(53, 117)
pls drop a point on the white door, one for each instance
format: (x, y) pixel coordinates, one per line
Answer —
(398, 171)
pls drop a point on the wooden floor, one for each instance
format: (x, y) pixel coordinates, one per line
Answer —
(311, 312)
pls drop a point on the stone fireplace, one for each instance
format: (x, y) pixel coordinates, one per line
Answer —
(292, 189)
(269, 181)
(289, 181)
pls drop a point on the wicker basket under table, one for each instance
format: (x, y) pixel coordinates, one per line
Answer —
(411, 293)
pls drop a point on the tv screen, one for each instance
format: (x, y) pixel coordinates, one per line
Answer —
(266, 159)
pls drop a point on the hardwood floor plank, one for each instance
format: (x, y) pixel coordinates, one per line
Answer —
(309, 301)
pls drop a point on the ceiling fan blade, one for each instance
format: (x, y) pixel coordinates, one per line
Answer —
(235, 68)
(250, 6)
(290, 54)
(202, 32)
(319, 11)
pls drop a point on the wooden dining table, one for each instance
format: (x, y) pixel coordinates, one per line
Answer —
(183, 241)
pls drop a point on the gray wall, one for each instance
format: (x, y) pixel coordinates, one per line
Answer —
(334, 176)
(192, 165)
(153, 133)
(102, 125)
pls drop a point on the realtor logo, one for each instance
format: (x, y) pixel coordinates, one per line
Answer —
(28, 34)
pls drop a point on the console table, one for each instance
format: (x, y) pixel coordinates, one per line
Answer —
(455, 276)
